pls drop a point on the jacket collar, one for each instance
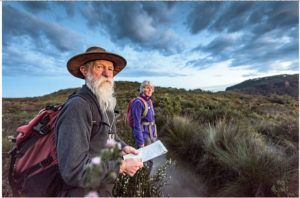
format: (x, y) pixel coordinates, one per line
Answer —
(144, 97)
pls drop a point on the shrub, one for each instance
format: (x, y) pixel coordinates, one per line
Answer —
(205, 115)
(172, 106)
(140, 185)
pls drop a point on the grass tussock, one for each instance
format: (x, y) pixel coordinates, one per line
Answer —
(180, 131)
(233, 158)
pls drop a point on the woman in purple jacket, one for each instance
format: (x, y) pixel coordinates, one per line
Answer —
(144, 127)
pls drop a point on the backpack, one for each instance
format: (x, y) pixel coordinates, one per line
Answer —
(129, 110)
(34, 170)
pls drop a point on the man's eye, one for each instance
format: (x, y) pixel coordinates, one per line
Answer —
(99, 67)
(110, 69)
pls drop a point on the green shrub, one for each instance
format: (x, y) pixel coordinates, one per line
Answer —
(205, 115)
(140, 185)
(171, 106)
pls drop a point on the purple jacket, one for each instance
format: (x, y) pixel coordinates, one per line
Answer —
(138, 108)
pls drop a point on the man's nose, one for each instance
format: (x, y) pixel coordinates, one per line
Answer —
(106, 72)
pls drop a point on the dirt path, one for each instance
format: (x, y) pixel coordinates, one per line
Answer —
(183, 182)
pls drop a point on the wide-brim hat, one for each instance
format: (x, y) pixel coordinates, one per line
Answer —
(95, 53)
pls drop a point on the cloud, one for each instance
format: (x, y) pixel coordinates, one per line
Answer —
(128, 72)
(144, 26)
(203, 14)
(256, 35)
(230, 17)
(20, 63)
(19, 27)
(69, 6)
(35, 7)
(33, 46)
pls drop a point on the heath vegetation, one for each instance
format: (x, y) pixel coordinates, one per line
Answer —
(239, 144)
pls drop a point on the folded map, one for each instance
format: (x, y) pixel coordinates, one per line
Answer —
(149, 152)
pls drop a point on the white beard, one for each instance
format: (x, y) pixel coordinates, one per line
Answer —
(103, 91)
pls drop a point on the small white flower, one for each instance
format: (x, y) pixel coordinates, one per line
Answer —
(110, 143)
(92, 194)
(96, 160)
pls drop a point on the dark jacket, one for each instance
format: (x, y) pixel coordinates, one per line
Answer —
(138, 108)
(76, 145)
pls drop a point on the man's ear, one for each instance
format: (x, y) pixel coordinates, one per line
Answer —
(83, 70)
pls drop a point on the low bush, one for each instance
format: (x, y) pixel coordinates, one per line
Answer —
(140, 185)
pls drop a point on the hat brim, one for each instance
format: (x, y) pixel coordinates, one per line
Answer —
(77, 61)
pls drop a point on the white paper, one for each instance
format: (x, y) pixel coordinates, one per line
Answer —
(149, 152)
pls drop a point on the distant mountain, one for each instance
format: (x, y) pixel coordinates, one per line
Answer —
(278, 85)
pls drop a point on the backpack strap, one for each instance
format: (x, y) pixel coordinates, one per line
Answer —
(11, 180)
(22, 176)
(35, 167)
(146, 107)
(95, 110)
(150, 124)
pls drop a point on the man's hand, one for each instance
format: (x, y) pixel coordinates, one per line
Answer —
(130, 166)
(142, 146)
(129, 149)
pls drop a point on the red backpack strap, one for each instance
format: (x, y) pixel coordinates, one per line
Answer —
(151, 102)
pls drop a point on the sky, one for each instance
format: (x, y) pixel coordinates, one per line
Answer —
(190, 45)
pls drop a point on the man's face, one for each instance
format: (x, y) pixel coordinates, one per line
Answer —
(102, 68)
(99, 78)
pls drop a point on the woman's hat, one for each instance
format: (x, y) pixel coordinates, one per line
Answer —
(95, 53)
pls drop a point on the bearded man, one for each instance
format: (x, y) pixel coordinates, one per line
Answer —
(87, 121)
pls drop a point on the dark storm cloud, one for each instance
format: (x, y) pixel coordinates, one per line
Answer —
(141, 25)
(35, 6)
(258, 35)
(259, 17)
(202, 15)
(30, 34)
(28, 29)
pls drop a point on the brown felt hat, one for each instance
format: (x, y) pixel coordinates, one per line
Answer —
(95, 53)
